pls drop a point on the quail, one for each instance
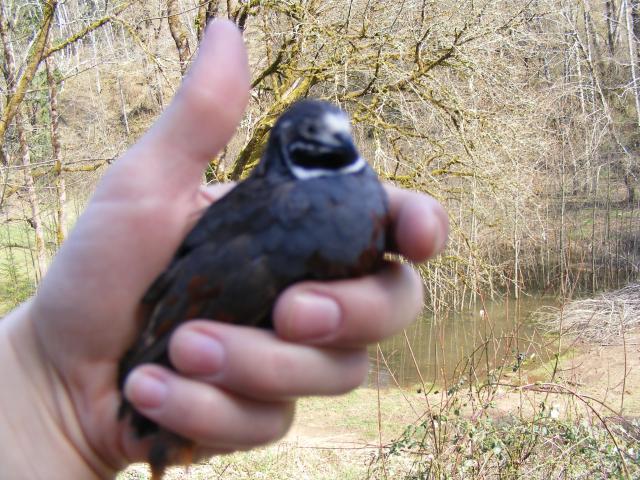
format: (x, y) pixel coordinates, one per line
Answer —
(312, 209)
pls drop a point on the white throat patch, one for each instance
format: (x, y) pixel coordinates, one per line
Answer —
(307, 173)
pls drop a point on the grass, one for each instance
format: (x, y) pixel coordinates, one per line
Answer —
(543, 369)
(282, 462)
(332, 438)
(17, 258)
(353, 416)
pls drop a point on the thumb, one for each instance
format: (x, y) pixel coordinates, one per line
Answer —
(204, 113)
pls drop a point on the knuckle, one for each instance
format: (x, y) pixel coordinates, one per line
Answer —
(380, 309)
(272, 378)
(202, 425)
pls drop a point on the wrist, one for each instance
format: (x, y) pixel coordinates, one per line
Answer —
(37, 421)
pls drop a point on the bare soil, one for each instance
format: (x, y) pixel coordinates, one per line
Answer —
(604, 378)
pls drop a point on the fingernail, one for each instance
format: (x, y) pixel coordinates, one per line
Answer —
(146, 390)
(312, 317)
(206, 352)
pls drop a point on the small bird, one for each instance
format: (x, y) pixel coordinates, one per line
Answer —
(312, 209)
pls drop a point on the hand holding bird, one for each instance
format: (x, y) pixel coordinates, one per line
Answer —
(60, 352)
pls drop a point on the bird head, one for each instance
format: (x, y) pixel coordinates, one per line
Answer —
(313, 138)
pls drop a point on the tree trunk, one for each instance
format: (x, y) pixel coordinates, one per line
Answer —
(206, 12)
(8, 71)
(609, 18)
(631, 190)
(594, 278)
(32, 197)
(635, 16)
(179, 34)
(633, 56)
(123, 107)
(7, 50)
(61, 188)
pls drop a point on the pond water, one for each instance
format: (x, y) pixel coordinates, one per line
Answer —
(439, 349)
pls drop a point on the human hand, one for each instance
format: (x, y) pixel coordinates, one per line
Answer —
(59, 353)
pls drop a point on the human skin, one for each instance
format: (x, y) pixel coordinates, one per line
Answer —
(59, 352)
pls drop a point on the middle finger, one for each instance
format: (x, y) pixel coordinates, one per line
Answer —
(350, 313)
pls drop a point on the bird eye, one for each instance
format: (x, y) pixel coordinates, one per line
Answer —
(311, 130)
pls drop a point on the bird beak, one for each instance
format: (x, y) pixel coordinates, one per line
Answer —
(345, 145)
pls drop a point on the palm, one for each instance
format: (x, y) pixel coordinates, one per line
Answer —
(122, 240)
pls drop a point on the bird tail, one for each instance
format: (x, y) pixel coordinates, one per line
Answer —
(168, 448)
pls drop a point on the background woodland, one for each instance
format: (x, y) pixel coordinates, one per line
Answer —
(521, 116)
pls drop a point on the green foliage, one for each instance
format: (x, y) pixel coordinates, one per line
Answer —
(15, 285)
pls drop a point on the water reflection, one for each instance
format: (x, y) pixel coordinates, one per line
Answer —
(439, 349)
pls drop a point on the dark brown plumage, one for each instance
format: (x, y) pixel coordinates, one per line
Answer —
(311, 210)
